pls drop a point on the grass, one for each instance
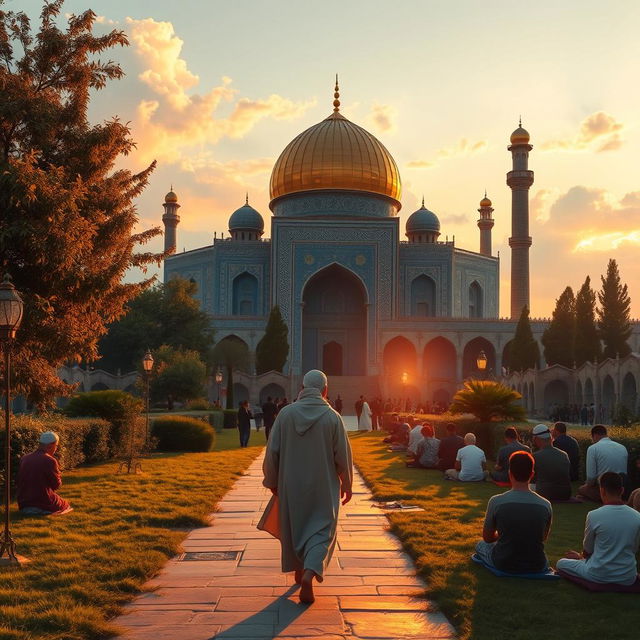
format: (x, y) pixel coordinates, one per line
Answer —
(87, 564)
(481, 606)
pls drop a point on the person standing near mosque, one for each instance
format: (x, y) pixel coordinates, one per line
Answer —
(308, 468)
(364, 421)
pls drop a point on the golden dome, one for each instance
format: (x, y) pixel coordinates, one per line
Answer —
(485, 202)
(171, 197)
(520, 136)
(335, 154)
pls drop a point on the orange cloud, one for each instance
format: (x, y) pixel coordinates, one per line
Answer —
(598, 132)
(463, 148)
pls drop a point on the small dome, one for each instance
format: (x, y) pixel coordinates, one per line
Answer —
(246, 218)
(520, 136)
(423, 220)
(485, 202)
(171, 197)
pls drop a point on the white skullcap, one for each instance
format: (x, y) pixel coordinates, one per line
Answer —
(49, 437)
(542, 431)
(314, 379)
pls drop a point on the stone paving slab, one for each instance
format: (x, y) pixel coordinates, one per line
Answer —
(370, 590)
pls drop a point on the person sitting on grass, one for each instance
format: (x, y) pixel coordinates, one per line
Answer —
(500, 472)
(427, 450)
(602, 456)
(39, 478)
(611, 539)
(415, 438)
(471, 463)
(516, 523)
(449, 447)
(569, 445)
(553, 468)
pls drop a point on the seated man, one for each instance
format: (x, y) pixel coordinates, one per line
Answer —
(602, 456)
(553, 469)
(517, 523)
(39, 478)
(513, 444)
(611, 539)
(427, 450)
(569, 445)
(449, 447)
(415, 437)
(471, 463)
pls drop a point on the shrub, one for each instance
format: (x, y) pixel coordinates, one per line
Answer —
(182, 433)
(198, 404)
(216, 420)
(488, 400)
(230, 420)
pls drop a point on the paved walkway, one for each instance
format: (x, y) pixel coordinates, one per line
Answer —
(235, 588)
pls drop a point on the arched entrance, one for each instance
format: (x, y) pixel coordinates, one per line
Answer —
(439, 360)
(579, 399)
(334, 311)
(470, 357)
(608, 398)
(589, 397)
(332, 358)
(556, 394)
(271, 390)
(629, 396)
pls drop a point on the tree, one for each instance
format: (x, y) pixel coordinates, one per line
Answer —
(273, 348)
(488, 400)
(165, 314)
(180, 374)
(587, 343)
(523, 352)
(231, 353)
(614, 325)
(66, 229)
(559, 337)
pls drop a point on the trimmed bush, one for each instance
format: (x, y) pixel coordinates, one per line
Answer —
(182, 433)
(198, 404)
(216, 420)
(230, 420)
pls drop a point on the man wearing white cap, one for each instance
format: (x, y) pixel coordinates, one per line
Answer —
(39, 478)
(308, 468)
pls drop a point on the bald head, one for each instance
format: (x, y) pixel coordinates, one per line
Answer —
(315, 379)
(469, 438)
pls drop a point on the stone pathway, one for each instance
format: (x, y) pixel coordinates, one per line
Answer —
(235, 588)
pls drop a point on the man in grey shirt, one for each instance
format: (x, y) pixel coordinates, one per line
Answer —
(553, 467)
(611, 539)
(500, 471)
(602, 456)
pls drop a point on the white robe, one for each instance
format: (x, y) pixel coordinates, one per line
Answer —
(364, 423)
(308, 461)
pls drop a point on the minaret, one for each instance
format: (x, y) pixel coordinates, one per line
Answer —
(519, 179)
(170, 218)
(485, 224)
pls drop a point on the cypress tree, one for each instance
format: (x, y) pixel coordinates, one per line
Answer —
(559, 337)
(523, 352)
(614, 325)
(587, 342)
(273, 348)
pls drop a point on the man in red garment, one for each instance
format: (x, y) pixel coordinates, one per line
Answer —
(39, 478)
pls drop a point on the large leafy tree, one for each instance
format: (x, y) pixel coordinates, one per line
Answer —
(177, 373)
(523, 352)
(66, 229)
(614, 324)
(273, 348)
(488, 400)
(587, 342)
(559, 337)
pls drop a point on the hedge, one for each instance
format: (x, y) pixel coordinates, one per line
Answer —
(230, 420)
(182, 433)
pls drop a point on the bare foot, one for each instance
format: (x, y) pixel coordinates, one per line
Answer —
(298, 576)
(306, 587)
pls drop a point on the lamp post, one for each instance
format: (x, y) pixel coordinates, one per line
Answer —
(147, 367)
(218, 381)
(481, 362)
(11, 309)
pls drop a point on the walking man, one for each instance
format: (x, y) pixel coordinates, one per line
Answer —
(308, 468)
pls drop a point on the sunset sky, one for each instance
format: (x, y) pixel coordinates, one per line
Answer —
(215, 90)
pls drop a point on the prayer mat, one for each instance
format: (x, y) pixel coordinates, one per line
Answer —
(600, 587)
(549, 574)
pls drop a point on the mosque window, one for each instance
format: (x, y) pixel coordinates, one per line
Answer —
(245, 295)
(423, 297)
(475, 300)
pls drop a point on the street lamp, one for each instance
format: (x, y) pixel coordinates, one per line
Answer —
(481, 362)
(147, 366)
(11, 308)
(218, 381)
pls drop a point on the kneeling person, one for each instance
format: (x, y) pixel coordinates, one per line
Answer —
(471, 463)
(517, 523)
(39, 478)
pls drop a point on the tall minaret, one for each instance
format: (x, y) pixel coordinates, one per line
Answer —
(519, 179)
(485, 224)
(170, 218)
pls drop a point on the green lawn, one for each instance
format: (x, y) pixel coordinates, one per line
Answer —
(481, 606)
(88, 563)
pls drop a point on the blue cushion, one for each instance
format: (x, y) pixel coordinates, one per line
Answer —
(549, 574)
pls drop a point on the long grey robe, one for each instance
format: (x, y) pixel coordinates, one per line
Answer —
(308, 459)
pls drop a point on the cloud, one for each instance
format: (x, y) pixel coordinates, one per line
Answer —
(462, 148)
(455, 218)
(382, 118)
(175, 119)
(538, 206)
(598, 132)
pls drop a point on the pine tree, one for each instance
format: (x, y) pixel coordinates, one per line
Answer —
(559, 337)
(523, 352)
(587, 342)
(614, 325)
(67, 215)
(273, 348)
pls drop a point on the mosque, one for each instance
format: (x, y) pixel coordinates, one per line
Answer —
(380, 314)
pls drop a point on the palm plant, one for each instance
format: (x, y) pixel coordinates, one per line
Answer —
(488, 400)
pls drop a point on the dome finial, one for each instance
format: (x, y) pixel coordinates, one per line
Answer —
(423, 202)
(246, 197)
(485, 192)
(336, 95)
(520, 121)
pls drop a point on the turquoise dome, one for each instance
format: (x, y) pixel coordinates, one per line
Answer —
(246, 218)
(423, 220)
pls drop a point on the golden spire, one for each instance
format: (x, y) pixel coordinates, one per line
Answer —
(423, 202)
(520, 121)
(336, 95)
(246, 198)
